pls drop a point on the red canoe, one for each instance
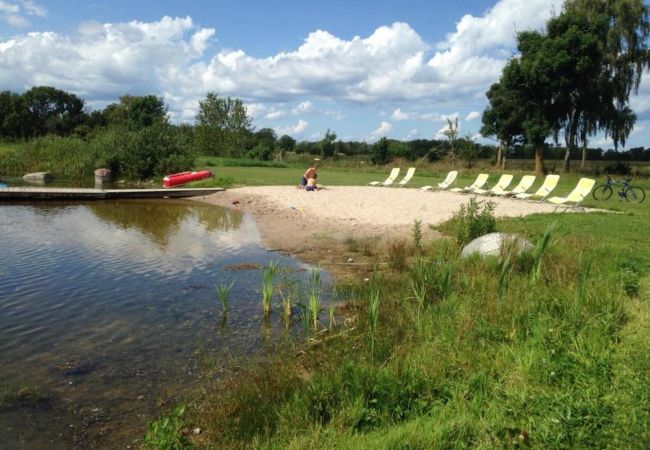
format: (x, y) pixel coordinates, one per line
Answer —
(176, 179)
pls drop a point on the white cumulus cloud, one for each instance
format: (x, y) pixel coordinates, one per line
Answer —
(473, 115)
(294, 130)
(15, 13)
(172, 57)
(383, 130)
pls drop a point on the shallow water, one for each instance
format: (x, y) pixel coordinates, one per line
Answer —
(109, 309)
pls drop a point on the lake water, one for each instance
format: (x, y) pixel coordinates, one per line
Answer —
(108, 312)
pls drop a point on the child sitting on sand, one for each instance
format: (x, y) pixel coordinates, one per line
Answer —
(311, 184)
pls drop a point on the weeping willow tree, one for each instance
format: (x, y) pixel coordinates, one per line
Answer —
(625, 58)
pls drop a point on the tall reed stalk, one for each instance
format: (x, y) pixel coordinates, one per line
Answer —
(373, 313)
(285, 297)
(419, 289)
(584, 273)
(267, 274)
(416, 232)
(541, 249)
(444, 280)
(223, 292)
(504, 275)
(313, 299)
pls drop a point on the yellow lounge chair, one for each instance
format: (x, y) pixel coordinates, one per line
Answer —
(502, 183)
(524, 184)
(448, 181)
(407, 177)
(477, 184)
(388, 181)
(577, 195)
(550, 182)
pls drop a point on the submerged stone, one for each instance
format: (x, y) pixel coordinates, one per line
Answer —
(37, 177)
(491, 244)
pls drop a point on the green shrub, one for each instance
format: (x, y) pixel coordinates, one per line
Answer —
(166, 432)
(473, 220)
(135, 154)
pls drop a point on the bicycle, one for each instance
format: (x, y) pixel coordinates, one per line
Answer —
(632, 194)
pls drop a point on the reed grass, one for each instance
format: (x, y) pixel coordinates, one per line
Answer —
(416, 233)
(373, 309)
(223, 292)
(504, 274)
(268, 275)
(419, 285)
(286, 300)
(542, 248)
(313, 299)
(584, 274)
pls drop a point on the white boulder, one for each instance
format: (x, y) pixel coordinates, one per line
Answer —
(490, 244)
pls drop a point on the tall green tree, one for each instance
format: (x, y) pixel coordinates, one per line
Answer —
(626, 57)
(222, 126)
(136, 112)
(379, 152)
(501, 118)
(287, 143)
(52, 110)
(15, 119)
(327, 144)
(626, 41)
(573, 47)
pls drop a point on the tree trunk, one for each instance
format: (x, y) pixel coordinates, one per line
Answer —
(539, 160)
(584, 158)
(567, 160)
(499, 154)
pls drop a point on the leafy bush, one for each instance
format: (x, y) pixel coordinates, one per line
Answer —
(151, 151)
(135, 154)
(166, 432)
(473, 220)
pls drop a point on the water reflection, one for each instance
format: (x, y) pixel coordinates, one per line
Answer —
(103, 307)
(159, 220)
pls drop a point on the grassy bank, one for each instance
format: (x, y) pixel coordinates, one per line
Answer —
(444, 352)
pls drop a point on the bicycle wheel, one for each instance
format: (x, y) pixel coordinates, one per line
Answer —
(635, 194)
(602, 192)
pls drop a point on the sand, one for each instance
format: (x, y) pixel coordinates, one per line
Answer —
(293, 220)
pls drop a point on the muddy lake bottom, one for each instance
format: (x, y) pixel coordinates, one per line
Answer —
(109, 314)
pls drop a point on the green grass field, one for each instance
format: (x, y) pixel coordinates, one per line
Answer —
(8, 146)
(466, 352)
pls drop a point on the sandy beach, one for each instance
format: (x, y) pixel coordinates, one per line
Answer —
(292, 220)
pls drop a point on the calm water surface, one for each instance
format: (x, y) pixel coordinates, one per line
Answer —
(108, 310)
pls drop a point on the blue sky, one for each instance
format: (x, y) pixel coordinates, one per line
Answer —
(363, 69)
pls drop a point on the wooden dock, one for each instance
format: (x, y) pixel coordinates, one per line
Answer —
(76, 194)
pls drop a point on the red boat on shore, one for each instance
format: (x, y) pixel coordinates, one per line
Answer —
(177, 179)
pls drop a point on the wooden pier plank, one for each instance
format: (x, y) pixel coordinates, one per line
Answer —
(43, 193)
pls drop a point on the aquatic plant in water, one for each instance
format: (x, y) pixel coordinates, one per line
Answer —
(286, 299)
(223, 292)
(313, 299)
(268, 273)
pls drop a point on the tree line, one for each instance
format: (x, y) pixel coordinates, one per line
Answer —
(573, 80)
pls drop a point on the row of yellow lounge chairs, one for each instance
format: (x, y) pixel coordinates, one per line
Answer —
(574, 198)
